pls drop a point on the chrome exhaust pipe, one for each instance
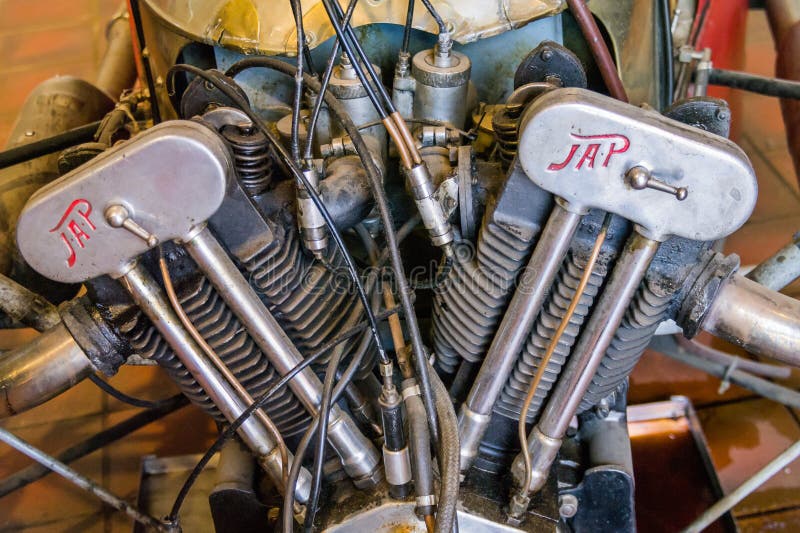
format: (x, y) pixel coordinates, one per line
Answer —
(758, 319)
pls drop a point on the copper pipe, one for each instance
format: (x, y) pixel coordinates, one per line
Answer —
(222, 368)
(397, 335)
(407, 137)
(402, 148)
(599, 49)
(784, 21)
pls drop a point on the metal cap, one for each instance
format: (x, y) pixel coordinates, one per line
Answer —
(425, 70)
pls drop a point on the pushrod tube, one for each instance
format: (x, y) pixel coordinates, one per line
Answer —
(534, 283)
(150, 298)
(359, 457)
(545, 439)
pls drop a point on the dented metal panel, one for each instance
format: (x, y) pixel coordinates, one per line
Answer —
(267, 27)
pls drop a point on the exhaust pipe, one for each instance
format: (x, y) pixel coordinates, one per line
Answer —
(40, 370)
(758, 319)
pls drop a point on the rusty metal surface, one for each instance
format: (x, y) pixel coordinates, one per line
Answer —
(268, 28)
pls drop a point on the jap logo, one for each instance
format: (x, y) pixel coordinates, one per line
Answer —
(591, 150)
(75, 228)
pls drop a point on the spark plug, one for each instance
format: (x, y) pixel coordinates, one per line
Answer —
(396, 458)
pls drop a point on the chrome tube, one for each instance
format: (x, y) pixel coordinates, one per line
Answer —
(359, 456)
(150, 298)
(545, 439)
(760, 320)
(534, 283)
(40, 370)
(781, 268)
(745, 489)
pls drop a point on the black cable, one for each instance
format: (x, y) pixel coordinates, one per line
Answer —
(322, 427)
(755, 84)
(435, 15)
(697, 29)
(309, 61)
(322, 438)
(136, 15)
(669, 75)
(407, 27)
(350, 33)
(297, 10)
(124, 398)
(382, 203)
(326, 78)
(420, 359)
(49, 145)
(261, 402)
(298, 174)
(300, 451)
(348, 49)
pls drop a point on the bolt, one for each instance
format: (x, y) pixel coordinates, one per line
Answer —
(603, 408)
(723, 114)
(547, 54)
(567, 505)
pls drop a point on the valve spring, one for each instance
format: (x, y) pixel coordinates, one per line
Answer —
(251, 156)
(506, 132)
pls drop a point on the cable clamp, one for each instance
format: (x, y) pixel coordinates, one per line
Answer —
(426, 501)
(408, 392)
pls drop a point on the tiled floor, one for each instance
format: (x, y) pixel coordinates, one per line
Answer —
(39, 39)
